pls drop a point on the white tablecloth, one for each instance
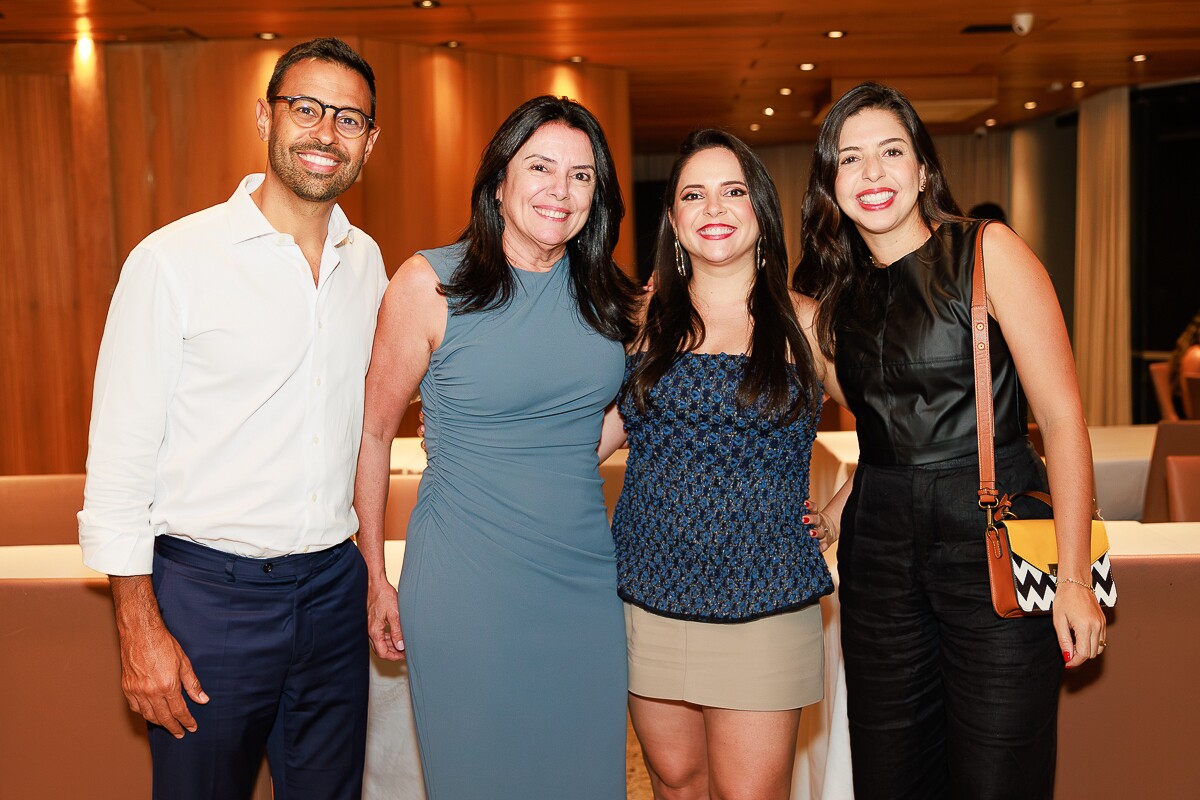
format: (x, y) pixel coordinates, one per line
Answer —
(1121, 456)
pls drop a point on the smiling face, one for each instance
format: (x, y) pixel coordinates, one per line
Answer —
(712, 214)
(546, 194)
(316, 164)
(879, 180)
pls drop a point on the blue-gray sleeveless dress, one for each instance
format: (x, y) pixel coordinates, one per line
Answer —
(515, 633)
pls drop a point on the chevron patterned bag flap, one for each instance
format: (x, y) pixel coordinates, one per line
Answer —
(1023, 555)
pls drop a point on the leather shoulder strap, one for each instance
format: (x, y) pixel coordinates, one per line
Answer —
(984, 420)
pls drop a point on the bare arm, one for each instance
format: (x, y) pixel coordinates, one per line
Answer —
(154, 669)
(806, 309)
(827, 520)
(612, 432)
(412, 321)
(1022, 299)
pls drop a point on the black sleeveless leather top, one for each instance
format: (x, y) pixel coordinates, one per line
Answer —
(909, 379)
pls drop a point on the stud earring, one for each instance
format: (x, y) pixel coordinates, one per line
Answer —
(760, 260)
(679, 264)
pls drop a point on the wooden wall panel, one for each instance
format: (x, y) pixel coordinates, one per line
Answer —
(144, 134)
(59, 244)
(438, 109)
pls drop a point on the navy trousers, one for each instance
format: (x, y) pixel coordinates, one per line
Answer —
(280, 646)
(945, 699)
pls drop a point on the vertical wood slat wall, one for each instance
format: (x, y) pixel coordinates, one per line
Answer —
(108, 150)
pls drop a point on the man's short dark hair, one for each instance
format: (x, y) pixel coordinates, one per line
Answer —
(335, 51)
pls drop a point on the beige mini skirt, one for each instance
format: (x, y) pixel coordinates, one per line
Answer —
(769, 664)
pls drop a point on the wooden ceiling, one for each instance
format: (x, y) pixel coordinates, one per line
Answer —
(699, 62)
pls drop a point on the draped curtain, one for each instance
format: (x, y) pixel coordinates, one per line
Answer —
(1102, 258)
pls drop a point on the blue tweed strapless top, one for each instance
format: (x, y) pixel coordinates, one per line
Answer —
(708, 526)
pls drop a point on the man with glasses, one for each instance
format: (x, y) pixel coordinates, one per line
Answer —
(225, 429)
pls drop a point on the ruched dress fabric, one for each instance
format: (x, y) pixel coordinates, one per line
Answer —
(514, 631)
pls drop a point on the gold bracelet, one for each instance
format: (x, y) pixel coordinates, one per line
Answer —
(1077, 583)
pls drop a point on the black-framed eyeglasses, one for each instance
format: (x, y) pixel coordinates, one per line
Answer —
(307, 112)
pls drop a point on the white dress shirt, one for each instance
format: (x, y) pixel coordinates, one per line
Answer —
(228, 401)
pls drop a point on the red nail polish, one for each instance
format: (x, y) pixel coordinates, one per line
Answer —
(1066, 655)
(806, 519)
(807, 504)
(813, 533)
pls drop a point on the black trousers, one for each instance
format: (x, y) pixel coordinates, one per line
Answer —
(945, 699)
(280, 646)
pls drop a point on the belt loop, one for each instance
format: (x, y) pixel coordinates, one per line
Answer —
(229, 576)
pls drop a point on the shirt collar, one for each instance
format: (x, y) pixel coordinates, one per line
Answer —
(246, 220)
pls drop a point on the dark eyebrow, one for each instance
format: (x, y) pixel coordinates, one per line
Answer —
(893, 140)
(592, 167)
(723, 183)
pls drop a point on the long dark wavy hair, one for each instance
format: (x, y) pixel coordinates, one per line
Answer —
(485, 281)
(835, 262)
(780, 378)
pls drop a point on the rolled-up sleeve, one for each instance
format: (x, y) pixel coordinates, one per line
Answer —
(136, 373)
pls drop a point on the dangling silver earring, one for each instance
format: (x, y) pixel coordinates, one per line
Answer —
(760, 260)
(679, 265)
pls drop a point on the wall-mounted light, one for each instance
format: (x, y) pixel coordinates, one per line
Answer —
(1078, 84)
(267, 36)
(834, 34)
(784, 91)
(426, 3)
(576, 59)
(807, 66)
(991, 123)
(754, 126)
(1139, 58)
(1030, 105)
(453, 43)
(768, 112)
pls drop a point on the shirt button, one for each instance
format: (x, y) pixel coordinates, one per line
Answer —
(320, 325)
(318, 381)
(316, 440)
(267, 567)
(314, 497)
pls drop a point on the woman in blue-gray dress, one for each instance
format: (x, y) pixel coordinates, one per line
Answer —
(512, 627)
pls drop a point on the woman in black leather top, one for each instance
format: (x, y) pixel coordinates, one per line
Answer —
(945, 698)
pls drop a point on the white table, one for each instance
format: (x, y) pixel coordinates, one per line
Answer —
(1120, 457)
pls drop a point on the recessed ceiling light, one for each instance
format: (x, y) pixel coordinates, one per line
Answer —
(768, 111)
(453, 43)
(426, 3)
(1078, 84)
(991, 123)
(1139, 58)
(785, 91)
(834, 34)
(1030, 105)
(576, 59)
(267, 36)
(807, 67)
(754, 126)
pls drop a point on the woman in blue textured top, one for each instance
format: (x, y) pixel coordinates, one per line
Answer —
(512, 627)
(717, 563)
